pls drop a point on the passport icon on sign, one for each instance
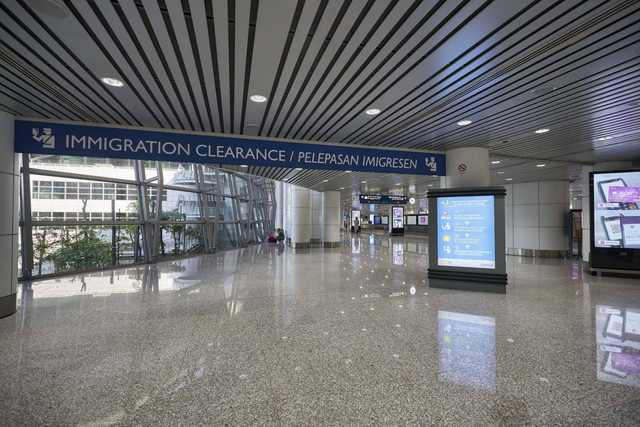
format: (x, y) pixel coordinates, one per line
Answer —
(446, 238)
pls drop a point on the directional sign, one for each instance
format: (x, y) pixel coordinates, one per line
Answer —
(383, 199)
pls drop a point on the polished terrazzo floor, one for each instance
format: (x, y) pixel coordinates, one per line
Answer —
(348, 336)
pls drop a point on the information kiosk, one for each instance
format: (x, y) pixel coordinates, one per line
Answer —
(354, 215)
(396, 228)
(615, 221)
(467, 239)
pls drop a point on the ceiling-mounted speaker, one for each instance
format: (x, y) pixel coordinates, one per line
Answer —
(52, 8)
(543, 90)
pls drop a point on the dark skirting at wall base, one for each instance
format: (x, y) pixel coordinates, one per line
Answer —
(8, 305)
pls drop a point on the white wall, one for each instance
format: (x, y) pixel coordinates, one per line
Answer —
(9, 195)
(535, 215)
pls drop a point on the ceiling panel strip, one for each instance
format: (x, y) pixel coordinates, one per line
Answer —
(186, 49)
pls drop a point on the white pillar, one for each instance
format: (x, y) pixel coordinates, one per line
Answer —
(539, 218)
(279, 205)
(300, 227)
(9, 195)
(331, 219)
(287, 211)
(467, 167)
(586, 202)
(315, 214)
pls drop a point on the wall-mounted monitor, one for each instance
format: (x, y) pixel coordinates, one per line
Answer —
(385, 220)
(615, 219)
(377, 220)
(423, 219)
(412, 220)
(371, 216)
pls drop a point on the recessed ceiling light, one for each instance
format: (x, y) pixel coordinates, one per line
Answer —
(112, 82)
(397, 183)
(634, 104)
(429, 185)
(342, 188)
(348, 171)
(244, 166)
(464, 122)
(543, 90)
(604, 138)
(285, 179)
(500, 173)
(541, 165)
(509, 179)
(298, 169)
(364, 182)
(373, 111)
(542, 131)
(258, 98)
(495, 162)
(325, 180)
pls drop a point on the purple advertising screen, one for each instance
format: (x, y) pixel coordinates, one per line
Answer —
(616, 210)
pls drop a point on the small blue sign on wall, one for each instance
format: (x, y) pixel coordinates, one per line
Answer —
(178, 146)
(381, 199)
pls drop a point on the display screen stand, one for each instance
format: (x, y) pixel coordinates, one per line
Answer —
(467, 239)
(396, 226)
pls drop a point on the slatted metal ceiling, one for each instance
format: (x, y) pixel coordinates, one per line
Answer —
(193, 64)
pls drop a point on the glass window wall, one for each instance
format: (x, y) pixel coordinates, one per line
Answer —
(89, 213)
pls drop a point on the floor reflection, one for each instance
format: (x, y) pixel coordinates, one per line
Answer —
(618, 341)
(304, 329)
(467, 350)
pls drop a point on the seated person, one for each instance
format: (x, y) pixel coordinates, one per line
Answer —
(280, 235)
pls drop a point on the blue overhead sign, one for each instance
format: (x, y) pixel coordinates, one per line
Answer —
(383, 199)
(117, 142)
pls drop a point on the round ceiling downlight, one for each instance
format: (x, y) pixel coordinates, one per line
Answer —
(111, 81)
(258, 98)
(373, 111)
(542, 130)
(464, 122)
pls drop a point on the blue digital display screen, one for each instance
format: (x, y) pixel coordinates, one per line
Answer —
(466, 232)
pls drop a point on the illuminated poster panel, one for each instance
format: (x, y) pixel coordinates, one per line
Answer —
(467, 350)
(466, 231)
(397, 217)
(618, 345)
(616, 210)
(354, 215)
